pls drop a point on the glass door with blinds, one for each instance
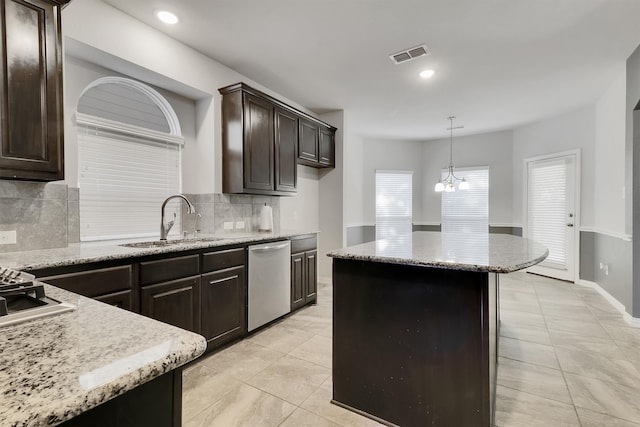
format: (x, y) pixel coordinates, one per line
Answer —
(394, 203)
(467, 211)
(551, 217)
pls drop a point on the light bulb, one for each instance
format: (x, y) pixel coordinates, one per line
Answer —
(464, 185)
(450, 188)
(426, 74)
(439, 187)
(167, 17)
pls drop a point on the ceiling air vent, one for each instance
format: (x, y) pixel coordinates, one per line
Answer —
(409, 54)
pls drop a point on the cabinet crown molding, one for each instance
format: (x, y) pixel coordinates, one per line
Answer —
(246, 88)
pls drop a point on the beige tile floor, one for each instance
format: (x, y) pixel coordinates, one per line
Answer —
(567, 358)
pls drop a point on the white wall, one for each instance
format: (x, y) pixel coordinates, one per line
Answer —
(491, 149)
(353, 182)
(104, 35)
(609, 180)
(303, 208)
(142, 52)
(331, 197)
(390, 155)
(573, 130)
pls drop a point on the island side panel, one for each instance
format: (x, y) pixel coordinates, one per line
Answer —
(411, 345)
(157, 403)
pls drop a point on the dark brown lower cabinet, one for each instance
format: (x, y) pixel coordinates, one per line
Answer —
(112, 285)
(223, 305)
(118, 299)
(414, 345)
(311, 275)
(304, 278)
(176, 302)
(297, 281)
(157, 403)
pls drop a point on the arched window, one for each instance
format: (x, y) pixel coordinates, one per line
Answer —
(129, 144)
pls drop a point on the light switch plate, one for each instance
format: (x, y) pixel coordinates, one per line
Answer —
(228, 225)
(8, 237)
(239, 225)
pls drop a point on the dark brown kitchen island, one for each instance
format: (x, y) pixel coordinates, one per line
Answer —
(415, 326)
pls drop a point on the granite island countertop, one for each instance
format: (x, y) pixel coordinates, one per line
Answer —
(88, 252)
(55, 368)
(484, 252)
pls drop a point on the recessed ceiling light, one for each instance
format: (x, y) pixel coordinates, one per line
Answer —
(426, 74)
(167, 17)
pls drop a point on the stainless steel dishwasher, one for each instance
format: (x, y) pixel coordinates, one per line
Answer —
(269, 282)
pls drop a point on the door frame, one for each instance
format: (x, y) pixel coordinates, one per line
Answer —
(577, 199)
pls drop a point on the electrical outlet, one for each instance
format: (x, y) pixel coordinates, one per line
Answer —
(228, 225)
(239, 225)
(8, 237)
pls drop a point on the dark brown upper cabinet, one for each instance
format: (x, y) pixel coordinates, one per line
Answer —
(31, 124)
(258, 146)
(263, 140)
(327, 144)
(316, 146)
(308, 142)
(286, 140)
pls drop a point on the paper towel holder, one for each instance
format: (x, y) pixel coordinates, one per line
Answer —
(266, 219)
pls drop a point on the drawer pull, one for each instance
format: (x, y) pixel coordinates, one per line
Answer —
(214, 282)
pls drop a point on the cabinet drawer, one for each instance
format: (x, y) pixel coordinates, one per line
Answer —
(120, 299)
(212, 261)
(168, 269)
(93, 283)
(305, 243)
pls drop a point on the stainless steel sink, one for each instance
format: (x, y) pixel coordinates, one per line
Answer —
(165, 243)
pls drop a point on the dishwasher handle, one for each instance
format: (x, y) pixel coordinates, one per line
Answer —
(268, 248)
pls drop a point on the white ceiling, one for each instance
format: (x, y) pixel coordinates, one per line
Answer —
(499, 63)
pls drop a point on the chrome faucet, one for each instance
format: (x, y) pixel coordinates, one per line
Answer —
(166, 226)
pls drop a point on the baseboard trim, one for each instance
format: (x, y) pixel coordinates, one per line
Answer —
(632, 321)
(622, 236)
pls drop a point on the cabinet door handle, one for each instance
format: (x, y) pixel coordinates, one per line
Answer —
(569, 225)
(214, 282)
(268, 248)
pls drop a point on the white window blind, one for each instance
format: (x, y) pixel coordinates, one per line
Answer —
(123, 181)
(547, 187)
(467, 211)
(394, 209)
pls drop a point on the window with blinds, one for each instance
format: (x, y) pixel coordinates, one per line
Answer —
(125, 170)
(467, 211)
(394, 208)
(547, 195)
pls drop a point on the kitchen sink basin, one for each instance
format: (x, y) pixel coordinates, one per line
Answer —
(165, 243)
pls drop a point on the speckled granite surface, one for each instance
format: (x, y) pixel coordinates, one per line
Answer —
(499, 253)
(83, 253)
(57, 367)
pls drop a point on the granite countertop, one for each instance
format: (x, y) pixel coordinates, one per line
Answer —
(54, 368)
(84, 253)
(499, 253)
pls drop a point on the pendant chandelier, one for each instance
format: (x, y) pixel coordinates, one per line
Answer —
(449, 183)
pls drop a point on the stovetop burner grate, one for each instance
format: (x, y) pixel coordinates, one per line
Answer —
(21, 299)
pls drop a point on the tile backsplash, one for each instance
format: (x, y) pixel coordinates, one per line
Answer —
(216, 209)
(47, 215)
(38, 212)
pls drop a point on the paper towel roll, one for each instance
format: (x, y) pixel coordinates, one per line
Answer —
(266, 218)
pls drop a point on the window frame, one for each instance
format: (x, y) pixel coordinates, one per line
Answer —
(461, 173)
(100, 127)
(378, 229)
